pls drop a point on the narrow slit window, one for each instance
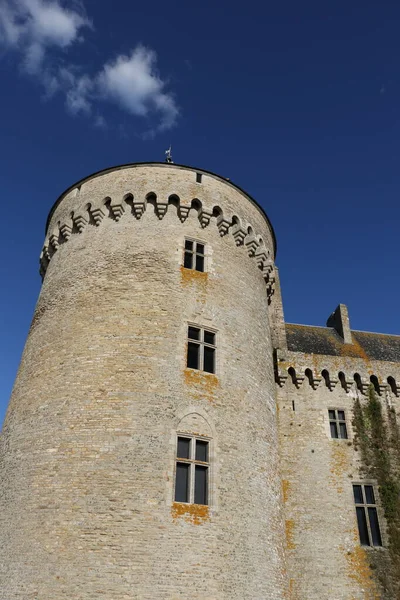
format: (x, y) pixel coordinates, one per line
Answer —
(367, 515)
(201, 349)
(192, 470)
(337, 424)
(199, 177)
(194, 255)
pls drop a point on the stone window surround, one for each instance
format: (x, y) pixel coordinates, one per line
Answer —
(337, 421)
(192, 461)
(380, 513)
(206, 253)
(216, 344)
(180, 428)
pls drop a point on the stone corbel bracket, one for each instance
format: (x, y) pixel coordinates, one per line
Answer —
(331, 380)
(95, 213)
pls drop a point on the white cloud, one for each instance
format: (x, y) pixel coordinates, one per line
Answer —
(130, 82)
(133, 83)
(36, 28)
(33, 27)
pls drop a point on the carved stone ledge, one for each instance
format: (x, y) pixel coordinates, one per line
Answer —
(223, 225)
(298, 379)
(251, 245)
(262, 258)
(97, 215)
(205, 217)
(315, 381)
(161, 209)
(117, 210)
(183, 212)
(66, 231)
(54, 240)
(239, 235)
(332, 383)
(281, 378)
(138, 208)
(80, 222)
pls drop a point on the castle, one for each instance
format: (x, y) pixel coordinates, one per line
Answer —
(169, 436)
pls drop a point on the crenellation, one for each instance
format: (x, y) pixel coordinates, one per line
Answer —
(96, 214)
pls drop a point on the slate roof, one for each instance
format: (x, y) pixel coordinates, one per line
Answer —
(325, 340)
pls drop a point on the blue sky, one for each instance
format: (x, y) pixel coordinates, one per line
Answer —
(297, 102)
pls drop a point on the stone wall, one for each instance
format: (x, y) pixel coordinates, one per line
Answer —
(325, 558)
(87, 452)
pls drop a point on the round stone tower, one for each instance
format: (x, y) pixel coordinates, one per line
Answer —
(139, 452)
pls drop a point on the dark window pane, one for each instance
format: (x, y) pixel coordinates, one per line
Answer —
(369, 494)
(182, 482)
(201, 450)
(199, 263)
(358, 497)
(374, 525)
(200, 485)
(209, 359)
(200, 249)
(334, 431)
(183, 448)
(188, 245)
(188, 261)
(193, 333)
(362, 526)
(341, 415)
(343, 430)
(198, 177)
(193, 356)
(209, 337)
(332, 414)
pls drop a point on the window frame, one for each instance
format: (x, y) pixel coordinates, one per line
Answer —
(365, 506)
(202, 345)
(337, 422)
(194, 254)
(193, 463)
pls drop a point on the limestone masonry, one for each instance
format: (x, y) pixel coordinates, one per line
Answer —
(169, 436)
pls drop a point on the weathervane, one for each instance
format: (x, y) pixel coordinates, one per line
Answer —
(168, 155)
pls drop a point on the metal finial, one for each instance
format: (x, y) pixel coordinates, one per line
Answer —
(168, 155)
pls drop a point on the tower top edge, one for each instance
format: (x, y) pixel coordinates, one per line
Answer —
(167, 166)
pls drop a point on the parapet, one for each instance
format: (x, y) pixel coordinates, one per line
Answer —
(123, 192)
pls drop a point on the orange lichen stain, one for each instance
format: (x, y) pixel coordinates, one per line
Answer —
(203, 384)
(197, 278)
(197, 514)
(359, 571)
(285, 489)
(339, 464)
(292, 591)
(289, 529)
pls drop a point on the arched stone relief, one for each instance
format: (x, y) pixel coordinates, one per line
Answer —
(194, 424)
(94, 212)
(332, 379)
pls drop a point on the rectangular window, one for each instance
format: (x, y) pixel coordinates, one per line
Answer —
(194, 256)
(201, 349)
(367, 515)
(192, 465)
(199, 177)
(337, 423)
(182, 482)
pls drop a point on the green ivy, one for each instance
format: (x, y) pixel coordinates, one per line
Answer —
(378, 439)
